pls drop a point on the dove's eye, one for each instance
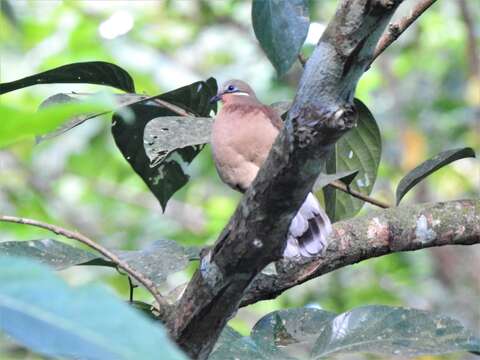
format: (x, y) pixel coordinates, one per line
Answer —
(231, 88)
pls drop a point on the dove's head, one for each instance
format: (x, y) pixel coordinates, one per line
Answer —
(233, 89)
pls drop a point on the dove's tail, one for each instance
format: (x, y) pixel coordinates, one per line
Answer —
(309, 230)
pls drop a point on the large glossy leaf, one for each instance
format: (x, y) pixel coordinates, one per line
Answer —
(42, 313)
(48, 251)
(315, 334)
(428, 167)
(281, 27)
(167, 176)
(156, 261)
(359, 149)
(17, 124)
(393, 331)
(93, 72)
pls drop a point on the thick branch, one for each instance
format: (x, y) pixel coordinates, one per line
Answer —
(380, 233)
(150, 286)
(321, 113)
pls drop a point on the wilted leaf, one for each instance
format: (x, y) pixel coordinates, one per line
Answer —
(164, 178)
(48, 251)
(42, 313)
(428, 167)
(359, 149)
(93, 72)
(165, 134)
(281, 27)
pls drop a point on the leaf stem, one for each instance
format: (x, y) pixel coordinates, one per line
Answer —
(342, 187)
(163, 305)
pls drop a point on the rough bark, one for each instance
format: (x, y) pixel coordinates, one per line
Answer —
(379, 233)
(255, 236)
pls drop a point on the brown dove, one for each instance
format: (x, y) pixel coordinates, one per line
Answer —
(243, 133)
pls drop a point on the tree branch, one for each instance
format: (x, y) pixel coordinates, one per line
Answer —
(163, 305)
(342, 187)
(379, 233)
(255, 236)
(396, 29)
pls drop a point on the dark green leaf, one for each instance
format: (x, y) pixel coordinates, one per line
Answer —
(168, 176)
(94, 72)
(315, 334)
(430, 166)
(48, 251)
(41, 312)
(281, 27)
(393, 331)
(359, 149)
(228, 336)
(157, 260)
(289, 334)
(241, 349)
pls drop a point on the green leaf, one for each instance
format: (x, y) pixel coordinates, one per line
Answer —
(42, 313)
(48, 251)
(430, 166)
(18, 124)
(281, 27)
(393, 331)
(316, 334)
(156, 261)
(289, 334)
(61, 98)
(164, 135)
(167, 176)
(359, 149)
(227, 336)
(93, 72)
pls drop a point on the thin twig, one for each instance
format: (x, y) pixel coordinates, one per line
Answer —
(342, 187)
(149, 285)
(394, 30)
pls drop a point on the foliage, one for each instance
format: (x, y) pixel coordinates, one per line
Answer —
(314, 334)
(108, 200)
(43, 313)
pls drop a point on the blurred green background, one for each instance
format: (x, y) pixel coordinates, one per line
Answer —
(424, 92)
